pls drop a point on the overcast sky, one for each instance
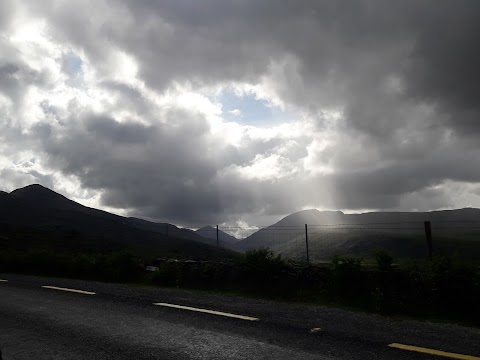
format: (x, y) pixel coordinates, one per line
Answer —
(242, 111)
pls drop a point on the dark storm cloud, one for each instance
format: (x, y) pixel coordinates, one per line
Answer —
(165, 171)
(346, 46)
(152, 168)
(15, 77)
(403, 75)
(383, 188)
(443, 67)
(346, 50)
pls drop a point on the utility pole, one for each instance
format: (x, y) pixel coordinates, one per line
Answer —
(428, 236)
(217, 238)
(306, 243)
(166, 229)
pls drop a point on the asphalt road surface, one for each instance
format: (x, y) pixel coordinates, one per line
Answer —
(48, 318)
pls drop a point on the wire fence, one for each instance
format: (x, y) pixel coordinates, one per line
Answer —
(320, 242)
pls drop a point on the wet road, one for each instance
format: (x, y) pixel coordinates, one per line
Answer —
(47, 318)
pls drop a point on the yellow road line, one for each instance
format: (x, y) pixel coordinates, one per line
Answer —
(207, 311)
(69, 290)
(433, 352)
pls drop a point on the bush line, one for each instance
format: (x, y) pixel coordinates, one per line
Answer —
(443, 289)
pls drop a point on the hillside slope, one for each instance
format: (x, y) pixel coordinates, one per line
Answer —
(35, 217)
(209, 232)
(402, 233)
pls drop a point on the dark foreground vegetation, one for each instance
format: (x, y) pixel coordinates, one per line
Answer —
(442, 289)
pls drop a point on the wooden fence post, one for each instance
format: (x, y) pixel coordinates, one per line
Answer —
(428, 236)
(306, 244)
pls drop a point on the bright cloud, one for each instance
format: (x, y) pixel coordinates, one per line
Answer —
(235, 112)
(229, 112)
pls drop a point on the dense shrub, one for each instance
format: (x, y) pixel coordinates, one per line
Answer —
(442, 288)
(117, 266)
(261, 271)
(383, 260)
(346, 278)
(262, 262)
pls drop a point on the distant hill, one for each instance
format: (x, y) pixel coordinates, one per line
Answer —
(165, 229)
(37, 217)
(402, 233)
(209, 232)
(171, 231)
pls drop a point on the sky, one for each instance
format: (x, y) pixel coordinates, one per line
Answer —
(240, 112)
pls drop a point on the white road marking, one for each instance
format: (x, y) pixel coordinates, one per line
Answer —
(207, 311)
(69, 290)
(3, 280)
(314, 330)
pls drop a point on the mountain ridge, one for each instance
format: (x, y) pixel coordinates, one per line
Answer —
(37, 207)
(335, 233)
(332, 217)
(37, 216)
(210, 232)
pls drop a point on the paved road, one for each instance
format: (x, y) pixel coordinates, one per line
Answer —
(42, 318)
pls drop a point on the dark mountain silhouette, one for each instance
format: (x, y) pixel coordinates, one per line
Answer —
(170, 230)
(210, 232)
(312, 216)
(316, 217)
(402, 233)
(37, 217)
(39, 194)
(37, 206)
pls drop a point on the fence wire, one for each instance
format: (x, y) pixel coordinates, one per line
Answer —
(402, 239)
